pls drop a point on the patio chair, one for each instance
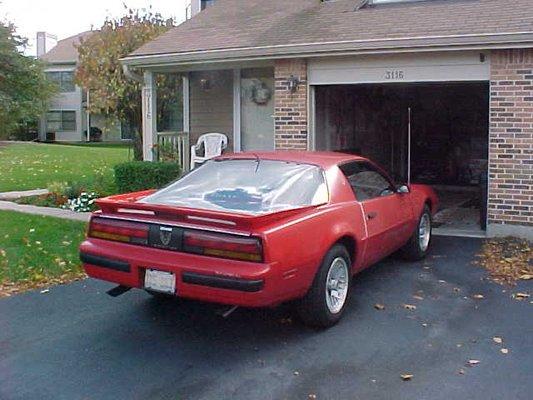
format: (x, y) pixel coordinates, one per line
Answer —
(213, 143)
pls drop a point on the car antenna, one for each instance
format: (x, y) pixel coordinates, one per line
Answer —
(258, 160)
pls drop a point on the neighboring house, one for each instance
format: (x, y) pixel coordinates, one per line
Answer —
(439, 91)
(67, 118)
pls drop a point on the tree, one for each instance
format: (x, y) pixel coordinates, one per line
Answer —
(24, 88)
(100, 71)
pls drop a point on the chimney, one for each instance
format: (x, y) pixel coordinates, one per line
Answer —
(45, 43)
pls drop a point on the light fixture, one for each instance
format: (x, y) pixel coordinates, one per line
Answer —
(294, 82)
(206, 84)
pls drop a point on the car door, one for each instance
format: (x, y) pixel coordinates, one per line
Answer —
(387, 212)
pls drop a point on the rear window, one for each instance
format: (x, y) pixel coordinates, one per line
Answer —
(246, 186)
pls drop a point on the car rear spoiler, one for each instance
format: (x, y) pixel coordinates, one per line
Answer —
(128, 206)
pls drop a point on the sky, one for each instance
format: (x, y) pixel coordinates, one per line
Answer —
(65, 18)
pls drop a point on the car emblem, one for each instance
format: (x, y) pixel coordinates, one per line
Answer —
(165, 234)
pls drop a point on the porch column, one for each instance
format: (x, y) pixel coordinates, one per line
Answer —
(149, 114)
(290, 114)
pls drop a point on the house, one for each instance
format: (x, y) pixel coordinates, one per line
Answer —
(67, 118)
(436, 91)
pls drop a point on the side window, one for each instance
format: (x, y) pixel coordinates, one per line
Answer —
(366, 181)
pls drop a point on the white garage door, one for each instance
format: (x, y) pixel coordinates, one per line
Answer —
(427, 67)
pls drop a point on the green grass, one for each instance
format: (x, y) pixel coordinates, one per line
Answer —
(25, 166)
(35, 249)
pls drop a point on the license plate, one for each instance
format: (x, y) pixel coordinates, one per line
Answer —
(160, 281)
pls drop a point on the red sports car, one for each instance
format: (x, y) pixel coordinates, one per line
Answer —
(260, 229)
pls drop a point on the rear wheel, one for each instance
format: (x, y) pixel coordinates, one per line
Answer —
(326, 300)
(418, 246)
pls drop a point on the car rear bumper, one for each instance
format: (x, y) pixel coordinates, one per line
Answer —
(198, 277)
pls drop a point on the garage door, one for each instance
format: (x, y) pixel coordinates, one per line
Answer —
(427, 67)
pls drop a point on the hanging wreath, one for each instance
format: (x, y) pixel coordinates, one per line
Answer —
(260, 93)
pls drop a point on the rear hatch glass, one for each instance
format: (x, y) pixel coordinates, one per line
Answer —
(249, 186)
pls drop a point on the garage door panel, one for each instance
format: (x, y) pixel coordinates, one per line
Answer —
(469, 66)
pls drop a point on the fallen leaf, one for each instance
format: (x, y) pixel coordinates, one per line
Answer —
(526, 277)
(521, 296)
(471, 363)
(45, 291)
(424, 325)
(378, 306)
(407, 377)
(497, 339)
(312, 396)
(409, 307)
(416, 297)
(504, 351)
(296, 373)
(461, 371)
(478, 296)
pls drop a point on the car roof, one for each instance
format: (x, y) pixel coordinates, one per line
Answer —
(324, 159)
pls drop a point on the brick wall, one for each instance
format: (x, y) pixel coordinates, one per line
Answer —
(290, 113)
(511, 142)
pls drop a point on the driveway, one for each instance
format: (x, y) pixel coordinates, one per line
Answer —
(75, 342)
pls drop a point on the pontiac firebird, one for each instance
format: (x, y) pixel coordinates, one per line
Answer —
(261, 229)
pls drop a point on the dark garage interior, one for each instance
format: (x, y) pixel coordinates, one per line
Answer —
(449, 138)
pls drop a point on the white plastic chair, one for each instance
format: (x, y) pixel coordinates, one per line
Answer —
(214, 144)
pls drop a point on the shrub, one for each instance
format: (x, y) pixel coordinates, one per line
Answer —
(142, 175)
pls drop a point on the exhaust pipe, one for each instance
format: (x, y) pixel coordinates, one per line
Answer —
(119, 290)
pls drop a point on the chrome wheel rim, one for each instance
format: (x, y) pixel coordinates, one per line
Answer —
(337, 285)
(424, 232)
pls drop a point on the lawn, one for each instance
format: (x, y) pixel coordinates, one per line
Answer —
(37, 250)
(25, 166)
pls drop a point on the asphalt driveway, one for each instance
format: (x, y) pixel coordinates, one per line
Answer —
(75, 342)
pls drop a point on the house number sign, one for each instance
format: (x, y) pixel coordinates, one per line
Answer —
(394, 74)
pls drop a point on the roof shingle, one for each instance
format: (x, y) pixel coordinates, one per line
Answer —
(65, 52)
(235, 24)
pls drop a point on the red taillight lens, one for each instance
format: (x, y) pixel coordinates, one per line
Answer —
(221, 245)
(117, 230)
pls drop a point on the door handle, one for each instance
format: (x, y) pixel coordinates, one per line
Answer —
(372, 215)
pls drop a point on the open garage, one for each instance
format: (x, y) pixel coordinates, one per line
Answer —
(423, 119)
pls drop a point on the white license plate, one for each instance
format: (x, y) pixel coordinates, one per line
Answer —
(160, 281)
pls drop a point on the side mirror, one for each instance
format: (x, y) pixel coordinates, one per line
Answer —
(403, 189)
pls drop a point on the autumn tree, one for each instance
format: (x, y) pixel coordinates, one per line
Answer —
(100, 71)
(24, 89)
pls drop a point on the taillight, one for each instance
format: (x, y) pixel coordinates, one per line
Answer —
(221, 245)
(120, 231)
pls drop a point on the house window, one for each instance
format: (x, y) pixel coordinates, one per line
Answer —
(127, 130)
(207, 3)
(60, 121)
(64, 80)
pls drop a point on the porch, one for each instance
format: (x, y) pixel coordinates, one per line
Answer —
(180, 105)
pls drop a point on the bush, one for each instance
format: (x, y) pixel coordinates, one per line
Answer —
(135, 176)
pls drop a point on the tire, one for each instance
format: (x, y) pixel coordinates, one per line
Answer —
(319, 307)
(418, 245)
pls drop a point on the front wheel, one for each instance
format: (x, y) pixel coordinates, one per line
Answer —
(418, 245)
(326, 300)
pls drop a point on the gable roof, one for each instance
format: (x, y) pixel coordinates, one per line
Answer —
(65, 52)
(233, 28)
